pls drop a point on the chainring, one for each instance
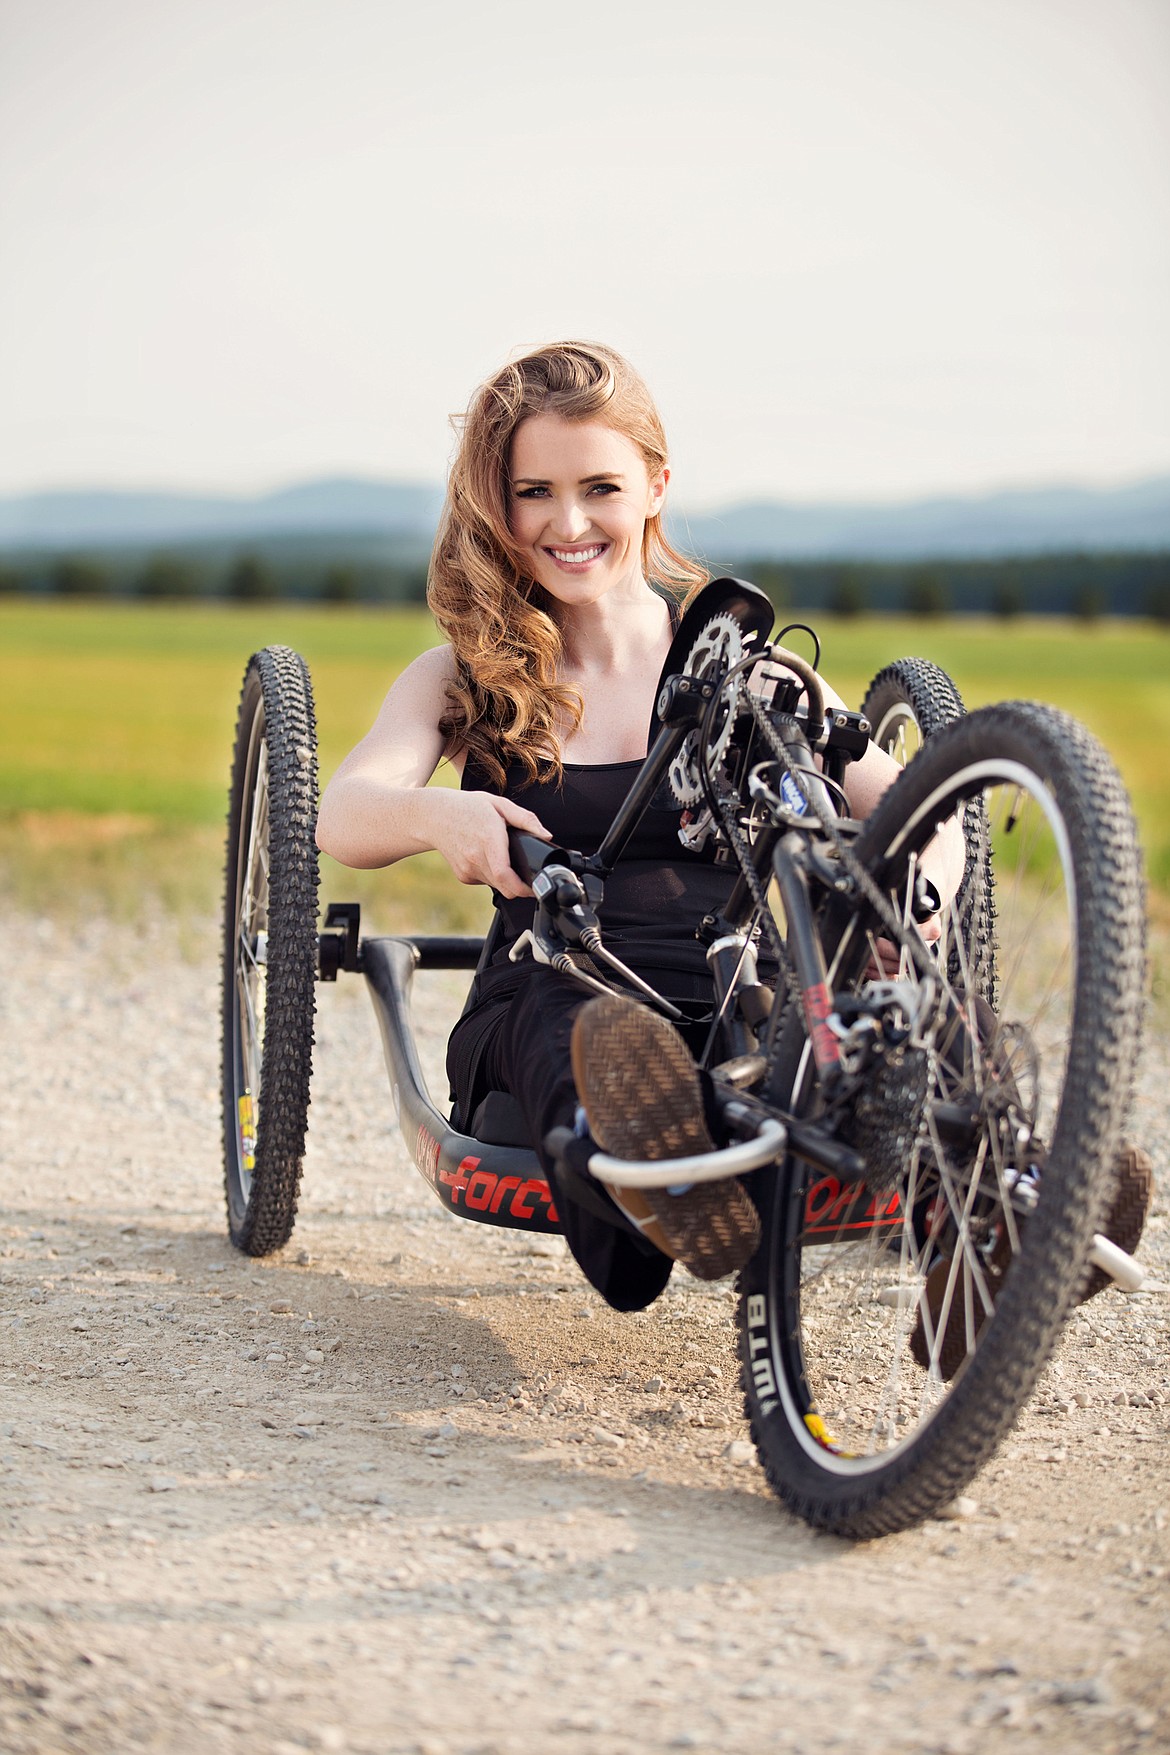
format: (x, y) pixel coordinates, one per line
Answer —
(717, 647)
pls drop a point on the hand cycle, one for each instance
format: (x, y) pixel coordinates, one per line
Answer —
(926, 1129)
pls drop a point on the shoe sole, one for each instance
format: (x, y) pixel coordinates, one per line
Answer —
(642, 1096)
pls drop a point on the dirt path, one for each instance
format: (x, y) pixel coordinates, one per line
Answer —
(411, 1487)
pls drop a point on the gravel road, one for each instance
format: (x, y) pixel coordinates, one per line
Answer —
(409, 1488)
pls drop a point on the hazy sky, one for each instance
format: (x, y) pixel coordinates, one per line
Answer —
(858, 247)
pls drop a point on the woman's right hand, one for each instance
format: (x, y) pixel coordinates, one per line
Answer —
(470, 830)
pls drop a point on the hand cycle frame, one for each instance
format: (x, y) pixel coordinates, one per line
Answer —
(497, 1181)
(838, 1072)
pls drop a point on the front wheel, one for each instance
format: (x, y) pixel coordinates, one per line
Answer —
(892, 1329)
(269, 949)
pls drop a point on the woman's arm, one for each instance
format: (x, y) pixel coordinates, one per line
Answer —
(378, 808)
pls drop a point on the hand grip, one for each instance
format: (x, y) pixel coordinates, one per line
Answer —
(527, 854)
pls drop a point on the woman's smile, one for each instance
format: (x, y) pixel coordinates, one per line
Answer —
(575, 560)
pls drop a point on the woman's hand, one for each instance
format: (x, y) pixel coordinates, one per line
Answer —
(886, 959)
(470, 830)
(378, 808)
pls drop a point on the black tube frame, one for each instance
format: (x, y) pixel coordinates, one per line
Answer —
(498, 1185)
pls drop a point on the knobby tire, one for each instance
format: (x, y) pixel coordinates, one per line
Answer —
(269, 949)
(813, 1320)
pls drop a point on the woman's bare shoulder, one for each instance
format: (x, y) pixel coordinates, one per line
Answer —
(434, 666)
(405, 744)
(422, 689)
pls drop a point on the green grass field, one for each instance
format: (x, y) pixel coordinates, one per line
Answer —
(116, 723)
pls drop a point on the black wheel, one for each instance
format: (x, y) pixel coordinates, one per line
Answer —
(906, 703)
(892, 1329)
(269, 950)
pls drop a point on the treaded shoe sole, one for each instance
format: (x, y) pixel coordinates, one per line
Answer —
(1126, 1219)
(641, 1094)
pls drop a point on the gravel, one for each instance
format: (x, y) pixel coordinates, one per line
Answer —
(409, 1486)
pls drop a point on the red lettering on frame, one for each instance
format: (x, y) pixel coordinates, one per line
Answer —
(818, 1004)
(426, 1154)
(479, 1190)
(503, 1184)
(532, 1189)
(835, 1208)
(516, 1205)
(821, 1195)
(456, 1181)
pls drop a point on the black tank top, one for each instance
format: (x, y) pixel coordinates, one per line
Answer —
(657, 892)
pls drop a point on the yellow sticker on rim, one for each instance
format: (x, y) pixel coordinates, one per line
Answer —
(247, 1114)
(820, 1431)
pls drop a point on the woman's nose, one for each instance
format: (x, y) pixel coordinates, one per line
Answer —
(570, 520)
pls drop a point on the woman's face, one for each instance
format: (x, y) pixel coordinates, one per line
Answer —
(579, 498)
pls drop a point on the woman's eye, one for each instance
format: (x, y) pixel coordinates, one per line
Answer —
(530, 493)
(606, 487)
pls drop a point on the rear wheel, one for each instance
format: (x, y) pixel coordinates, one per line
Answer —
(908, 702)
(892, 1330)
(269, 950)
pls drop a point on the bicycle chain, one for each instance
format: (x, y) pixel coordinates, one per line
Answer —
(741, 847)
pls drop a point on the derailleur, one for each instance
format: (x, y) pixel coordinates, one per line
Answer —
(883, 1016)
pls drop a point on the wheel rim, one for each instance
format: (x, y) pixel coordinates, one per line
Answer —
(874, 1329)
(250, 959)
(899, 733)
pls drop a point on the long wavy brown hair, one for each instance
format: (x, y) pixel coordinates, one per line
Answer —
(506, 703)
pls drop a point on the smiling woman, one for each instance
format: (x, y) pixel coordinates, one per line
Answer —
(589, 526)
(559, 595)
(582, 415)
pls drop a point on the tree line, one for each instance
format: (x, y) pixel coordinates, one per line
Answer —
(250, 576)
(1081, 585)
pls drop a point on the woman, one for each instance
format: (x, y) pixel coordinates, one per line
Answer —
(559, 592)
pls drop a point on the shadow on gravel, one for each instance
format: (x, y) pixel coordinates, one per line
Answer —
(243, 1407)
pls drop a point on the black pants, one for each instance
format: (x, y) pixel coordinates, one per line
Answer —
(519, 1042)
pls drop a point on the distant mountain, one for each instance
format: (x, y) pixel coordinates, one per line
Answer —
(1023, 521)
(109, 519)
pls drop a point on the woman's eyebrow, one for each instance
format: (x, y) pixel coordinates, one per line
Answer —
(544, 481)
